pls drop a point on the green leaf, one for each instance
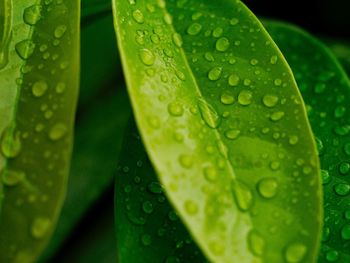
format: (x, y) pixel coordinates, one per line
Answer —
(39, 80)
(342, 51)
(224, 126)
(326, 91)
(102, 118)
(145, 222)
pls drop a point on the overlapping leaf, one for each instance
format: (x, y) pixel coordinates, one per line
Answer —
(225, 127)
(39, 82)
(326, 91)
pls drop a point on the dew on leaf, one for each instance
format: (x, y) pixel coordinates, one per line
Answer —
(222, 44)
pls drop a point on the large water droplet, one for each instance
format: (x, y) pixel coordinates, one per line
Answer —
(209, 114)
(175, 109)
(60, 31)
(345, 232)
(32, 14)
(147, 57)
(25, 49)
(242, 195)
(256, 243)
(138, 16)
(270, 100)
(342, 189)
(233, 80)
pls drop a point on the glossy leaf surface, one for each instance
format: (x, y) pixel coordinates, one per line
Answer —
(224, 126)
(326, 91)
(39, 86)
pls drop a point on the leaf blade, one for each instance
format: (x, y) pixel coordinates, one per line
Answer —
(193, 106)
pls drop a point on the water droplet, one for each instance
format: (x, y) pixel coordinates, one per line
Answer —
(347, 148)
(32, 14)
(191, 207)
(256, 243)
(138, 16)
(232, 134)
(245, 97)
(339, 111)
(210, 174)
(267, 187)
(12, 178)
(295, 252)
(347, 214)
(175, 109)
(222, 44)
(177, 40)
(242, 195)
(40, 227)
(147, 207)
(194, 29)
(320, 88)
(60, 31)
(39, 88)
(274, 165)
(344, 168)
(234, 21)
(155, 188)
(270, 100)
(217, 32)
(278, 82)
(293, 139)
(25, 49)
(209, 114)
(196, 16)
(58, 131)
(342, 189)
(146, 240)
(273, 60)
(254, 62)
(227, 99)
(215, 73)
(186, 161)
(332, 255)
(345, 232)
(326, 178)
(276, 116)
(209, 57)
(233, 80)
(11, 144)
(60, 88)
(147, 57)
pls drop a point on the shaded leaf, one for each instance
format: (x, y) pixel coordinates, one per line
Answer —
(224, 126)
(39, 81)
(326, 91)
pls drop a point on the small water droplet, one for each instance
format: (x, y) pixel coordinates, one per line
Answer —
(293, 139)
(245, 97)
(254, 62)
(215, 73)
(276, 116)
(227, 99)
(347, 148)
(175, 109)
(147, 57)
(278, 82)
(155, 188)
(39, 88)
(267, 187)
(186, 161)
(326, 178)
(40, 227)
(138, 16)
(345, 232)
(234, 21)
(60, 31)
(147, 207)
(209, 56)
(11, 144)
(320, 88)
(58, 131)
(342, 189)
(270, 101)
(233, 80)
(191, 207)
(332, 255)
(273, 60)
(194, 29)
(222, 44)
(217, 32)
(295, 252)
(232, 134)
(210, 174)
(146, 240)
